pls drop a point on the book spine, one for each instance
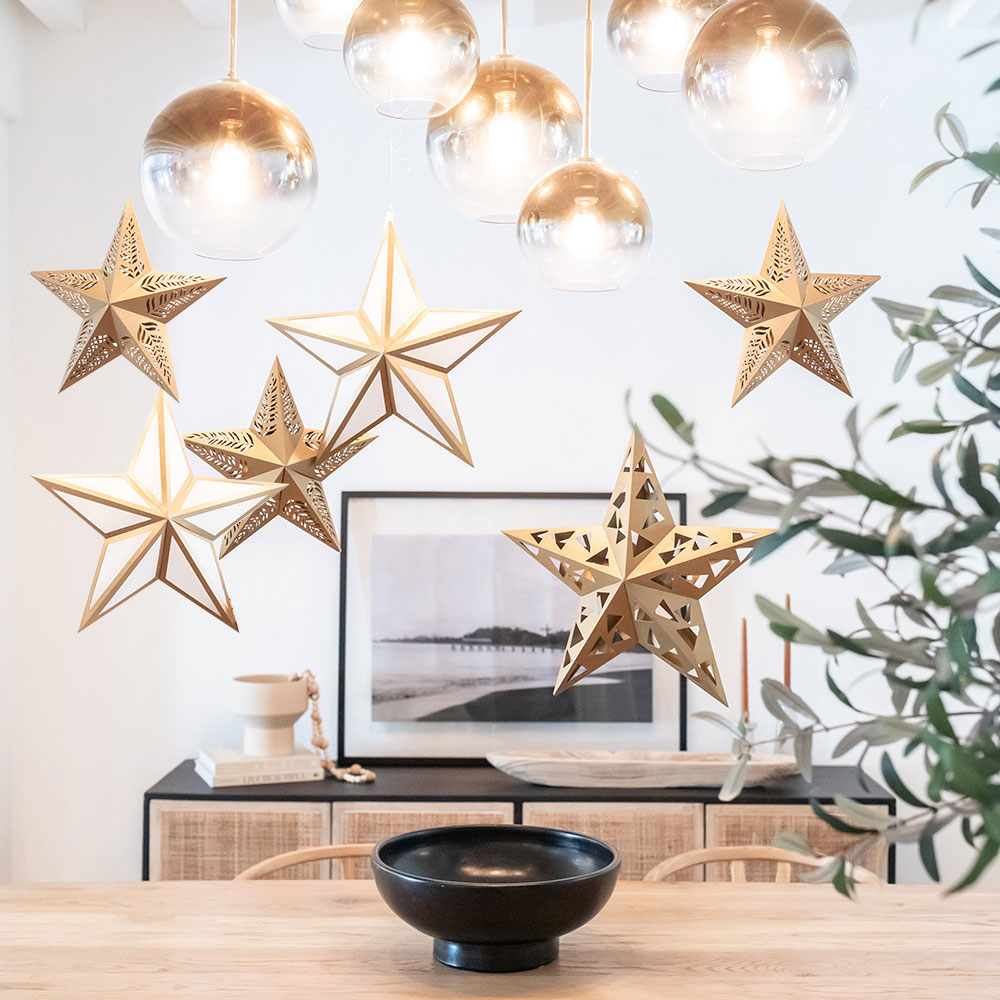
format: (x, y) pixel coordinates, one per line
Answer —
(264, 767)
(231, 781)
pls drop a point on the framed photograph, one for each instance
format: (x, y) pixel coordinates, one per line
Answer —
(451, 637)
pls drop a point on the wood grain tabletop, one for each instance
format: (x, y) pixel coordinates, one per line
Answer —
(338, 941)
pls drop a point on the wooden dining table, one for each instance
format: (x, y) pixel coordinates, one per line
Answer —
(336, 940)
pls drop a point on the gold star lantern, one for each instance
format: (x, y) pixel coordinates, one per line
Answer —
(158, 522)
(640, 578)
(394, 355)
(785, 312)
(125, 307)
(278, 449)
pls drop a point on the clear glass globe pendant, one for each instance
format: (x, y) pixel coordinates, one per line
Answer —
(228, 170)
(320, 24)
(770, 83)
(584, 226)
(649, 38)
(516, 123)
(412, 58)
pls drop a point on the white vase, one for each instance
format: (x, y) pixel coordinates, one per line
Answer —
(270, 705)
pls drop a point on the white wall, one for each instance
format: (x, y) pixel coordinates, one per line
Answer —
(101, 715)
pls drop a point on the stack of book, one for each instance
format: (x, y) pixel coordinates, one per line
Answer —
(226, 768)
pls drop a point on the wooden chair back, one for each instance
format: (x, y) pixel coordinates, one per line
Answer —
(737, 857)
(300, 857)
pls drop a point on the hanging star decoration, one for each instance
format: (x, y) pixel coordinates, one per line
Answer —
(125, 306)
(785, 312)
(640, 578)
(277, 448)
(393, 356)
(158, 522)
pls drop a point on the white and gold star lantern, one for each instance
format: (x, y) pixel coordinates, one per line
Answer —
(158, 522)
(393, 356)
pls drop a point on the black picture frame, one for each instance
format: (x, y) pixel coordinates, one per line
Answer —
(346, 497)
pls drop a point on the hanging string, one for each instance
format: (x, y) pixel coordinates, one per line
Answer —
(503, 28)
(233, 12)
(588, 68)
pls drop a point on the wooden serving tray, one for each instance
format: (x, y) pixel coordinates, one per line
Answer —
(636, 769)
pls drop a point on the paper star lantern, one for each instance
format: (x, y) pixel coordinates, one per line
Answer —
(393, 355)
(785, 312)
(125, 307)
(640, 578)
(278, 449)
(158, 522)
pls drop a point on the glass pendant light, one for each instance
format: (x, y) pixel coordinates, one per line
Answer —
(516, 123)
(227, 170)
(649, 38)
(584, 227)
(320, 24)
(412, 58)
(769, 83)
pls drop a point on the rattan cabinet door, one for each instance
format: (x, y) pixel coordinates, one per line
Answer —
(644, 834)
(370, 822)
(735, 826)
(218, 840)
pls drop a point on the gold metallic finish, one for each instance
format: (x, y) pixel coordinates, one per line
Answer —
(516, 123)
(584, 227)
(769, 84)
(785, 311)
(277, 448)
(412, 58)
(640, 578)
(393, 356)
(228, 171)
(649, 38)
(125, 306)
(158, 522)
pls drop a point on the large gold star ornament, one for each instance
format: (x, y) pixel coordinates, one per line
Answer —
(640, 578)
(785, 312)
(394, 355)
(277, 448)
(125, 306)
(158, 522)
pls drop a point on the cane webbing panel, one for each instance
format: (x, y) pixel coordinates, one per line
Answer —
(219, 840)
(644, 835)
(733, 826)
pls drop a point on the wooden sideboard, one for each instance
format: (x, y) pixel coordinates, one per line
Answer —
(191, 831)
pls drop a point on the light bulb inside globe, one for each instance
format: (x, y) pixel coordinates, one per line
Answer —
(412, 58)
(320, 24)
(769, 83)
(649, 38)
(516, 123)
(584, 227)
(228, 171)
(770, 89)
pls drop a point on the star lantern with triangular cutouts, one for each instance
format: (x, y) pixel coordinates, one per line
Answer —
(640, 578)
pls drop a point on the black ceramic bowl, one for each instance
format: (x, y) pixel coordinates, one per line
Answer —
(495, 898)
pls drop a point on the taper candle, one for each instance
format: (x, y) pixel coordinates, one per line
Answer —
(745, 677)
(788, 647)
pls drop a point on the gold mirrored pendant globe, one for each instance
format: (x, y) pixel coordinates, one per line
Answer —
(412, 58)
(584, 227)
(320, 24)
(649, 38)
(228, 171)
(769, 84)
(515, 124)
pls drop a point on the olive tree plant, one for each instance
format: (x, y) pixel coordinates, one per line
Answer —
(934, 634)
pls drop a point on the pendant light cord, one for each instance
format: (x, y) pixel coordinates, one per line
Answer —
(233, 12)
(588, 69)
(503, 28)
